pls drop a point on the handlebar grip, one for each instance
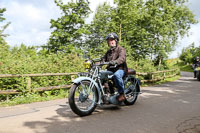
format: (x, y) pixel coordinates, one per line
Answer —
(105, 63)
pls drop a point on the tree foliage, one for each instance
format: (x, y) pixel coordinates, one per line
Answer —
(2, 36)
(29, 60)
(189, 54)
(4, 48)
(147, 28)
(69, 28)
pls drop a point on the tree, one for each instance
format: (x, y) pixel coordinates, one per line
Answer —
(189, 54)
(169, 20)
(159, 24)
(69, 29)
(2, 36)
(99, 26)
(128, 16)
(4, 48)
(98, 29)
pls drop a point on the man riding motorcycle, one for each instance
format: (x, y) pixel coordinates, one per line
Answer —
(195, 65)
(116, 55)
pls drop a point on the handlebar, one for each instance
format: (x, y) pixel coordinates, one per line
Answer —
(107, 63)
(104, 63)
(97, 62)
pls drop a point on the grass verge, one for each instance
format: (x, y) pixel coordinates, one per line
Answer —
(186, 68)
(34, 97)
(161, 81)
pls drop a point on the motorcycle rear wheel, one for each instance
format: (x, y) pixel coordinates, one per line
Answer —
(131, 95)
(82, 99)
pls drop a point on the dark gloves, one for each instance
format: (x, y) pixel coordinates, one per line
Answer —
(112, 62)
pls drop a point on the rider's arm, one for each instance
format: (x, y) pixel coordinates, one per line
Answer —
(122, 56)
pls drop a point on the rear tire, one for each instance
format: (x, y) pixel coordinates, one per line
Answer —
(75, 98)
(131, 96)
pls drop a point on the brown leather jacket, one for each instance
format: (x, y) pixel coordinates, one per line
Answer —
(118, 55)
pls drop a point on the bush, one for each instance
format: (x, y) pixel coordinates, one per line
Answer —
(26, 60)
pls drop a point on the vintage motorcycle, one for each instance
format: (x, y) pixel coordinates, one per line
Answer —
(96, 88)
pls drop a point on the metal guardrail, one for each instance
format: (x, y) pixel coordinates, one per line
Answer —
(40, 89)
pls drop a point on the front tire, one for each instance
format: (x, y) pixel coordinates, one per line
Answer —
(82, 99)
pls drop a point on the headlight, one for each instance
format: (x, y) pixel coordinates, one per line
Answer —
(87, 64)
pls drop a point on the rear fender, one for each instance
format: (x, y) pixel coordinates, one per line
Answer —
(80, 79)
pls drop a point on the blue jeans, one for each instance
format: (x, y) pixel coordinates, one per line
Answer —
(119, 81)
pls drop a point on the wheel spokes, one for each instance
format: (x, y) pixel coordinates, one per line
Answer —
(85, 97)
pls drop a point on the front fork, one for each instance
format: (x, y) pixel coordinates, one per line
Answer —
(87, 90)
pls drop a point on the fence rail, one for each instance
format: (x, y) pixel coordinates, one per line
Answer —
(36, 75)
(152, 78)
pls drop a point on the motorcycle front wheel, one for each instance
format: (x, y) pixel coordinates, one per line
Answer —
(83, 98)
(131, 91)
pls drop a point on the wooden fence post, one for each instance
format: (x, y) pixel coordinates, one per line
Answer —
(29, 84)
(152, 76)
(164, 75)
(7, 97)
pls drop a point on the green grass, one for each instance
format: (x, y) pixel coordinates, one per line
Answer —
(161, 81)
(180, 64)
(184, 67)
(34, 97)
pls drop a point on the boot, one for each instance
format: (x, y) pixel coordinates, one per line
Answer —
(121, 97)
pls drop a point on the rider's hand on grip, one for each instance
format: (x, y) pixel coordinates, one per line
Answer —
(112, 62)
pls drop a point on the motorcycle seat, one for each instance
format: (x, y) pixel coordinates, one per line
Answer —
(131, 72)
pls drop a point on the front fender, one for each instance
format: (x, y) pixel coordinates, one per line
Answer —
(79, 79)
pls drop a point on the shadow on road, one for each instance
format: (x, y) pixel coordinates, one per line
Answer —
(64, 111)
(60, 123)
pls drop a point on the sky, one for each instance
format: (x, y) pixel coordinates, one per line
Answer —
(30, 22)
